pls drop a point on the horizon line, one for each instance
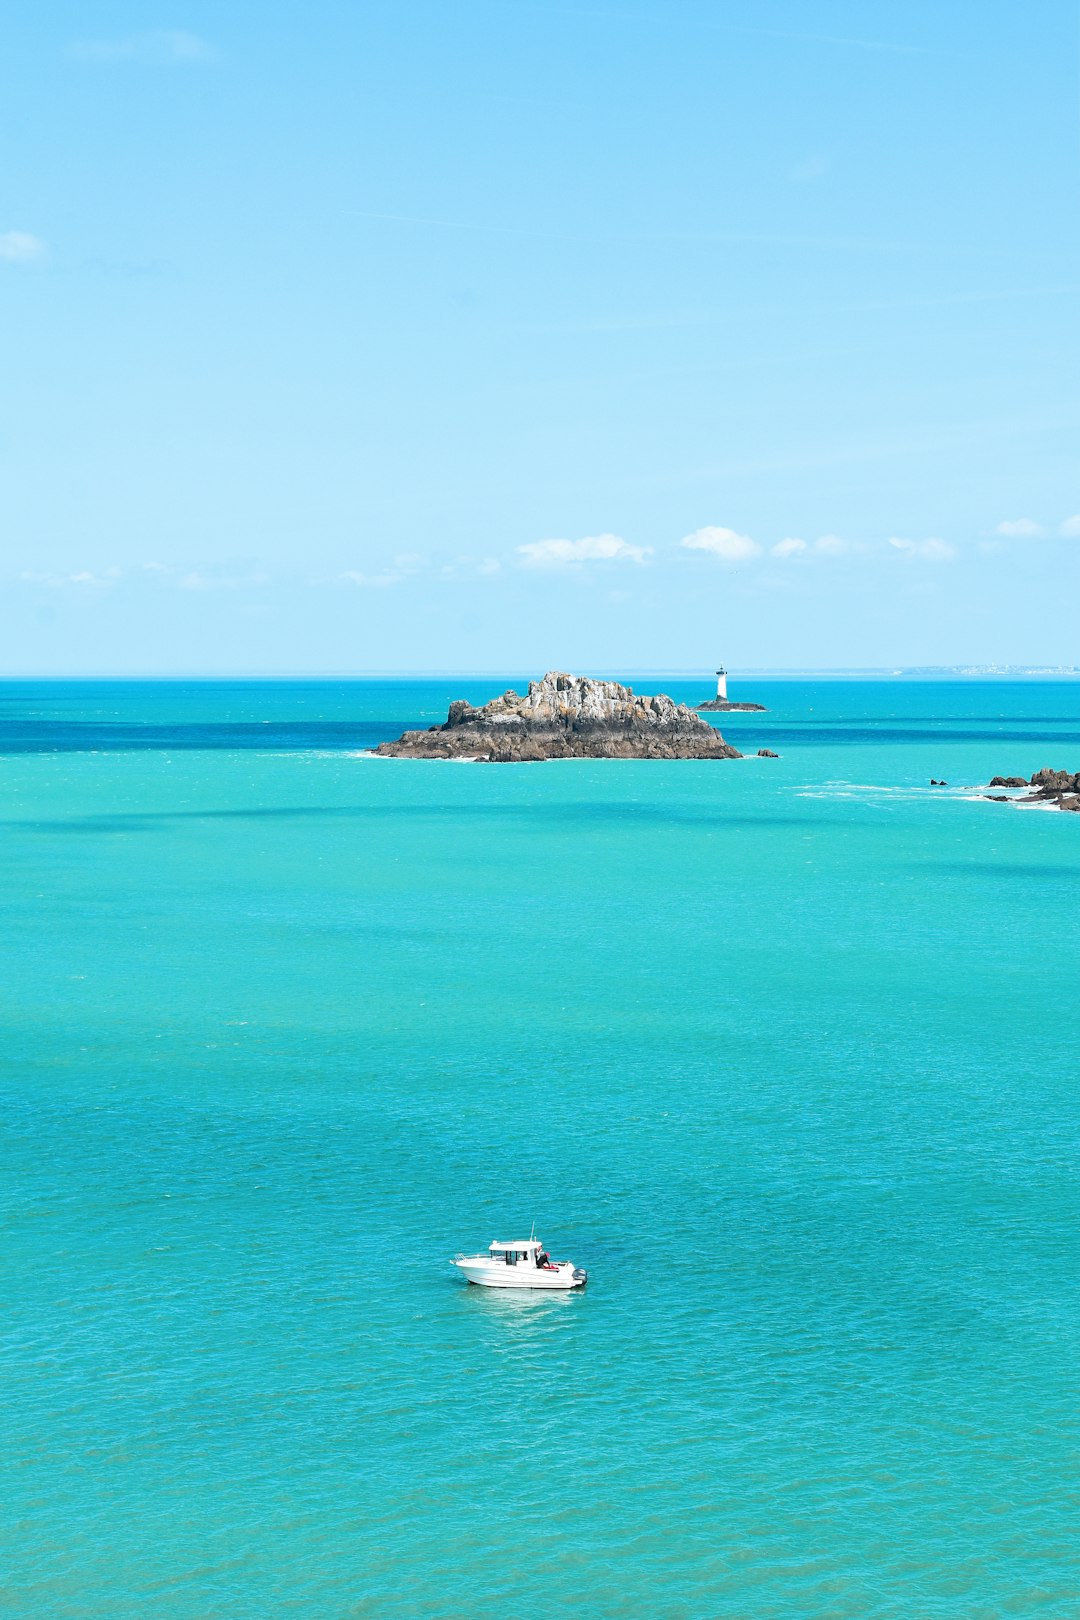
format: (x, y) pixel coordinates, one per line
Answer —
(964, 671)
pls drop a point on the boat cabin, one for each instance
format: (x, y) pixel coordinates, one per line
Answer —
(529, 1253)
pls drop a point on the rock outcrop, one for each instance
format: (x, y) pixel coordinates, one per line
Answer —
(1061, 788)
(722, 706)
(1057, 787)
(566, 717)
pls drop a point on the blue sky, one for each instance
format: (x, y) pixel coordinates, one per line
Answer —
(500, 336)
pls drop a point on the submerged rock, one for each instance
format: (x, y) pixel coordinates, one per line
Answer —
(566, 717)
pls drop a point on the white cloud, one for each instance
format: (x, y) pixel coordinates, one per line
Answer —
(789, 548)
(722, 543)
(830, 545)
(159, 45)
(490, 565)
(572, 553)
(931, 550)
(1071, 527)
(19, 247)
(1019, 529)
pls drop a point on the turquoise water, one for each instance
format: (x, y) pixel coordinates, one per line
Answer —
(783, 1052)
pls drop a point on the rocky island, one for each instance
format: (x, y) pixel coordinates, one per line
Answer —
(566, 717)
(1048, 787)
(722, 706)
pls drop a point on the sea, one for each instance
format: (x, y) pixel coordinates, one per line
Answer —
(782, 1051)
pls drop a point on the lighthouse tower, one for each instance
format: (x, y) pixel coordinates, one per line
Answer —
(721, 685)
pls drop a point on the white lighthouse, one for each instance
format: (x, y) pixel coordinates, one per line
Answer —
(721, 685)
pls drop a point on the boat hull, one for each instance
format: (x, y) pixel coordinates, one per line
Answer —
(487, 1275)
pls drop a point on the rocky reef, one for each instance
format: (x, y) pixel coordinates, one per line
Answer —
(1061, 788)
(566, 717)
(722, 706)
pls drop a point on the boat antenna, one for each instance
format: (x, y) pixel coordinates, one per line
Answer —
(532, 1232)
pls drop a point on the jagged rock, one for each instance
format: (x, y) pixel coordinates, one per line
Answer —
(1061, 788)
(566, 717)
(767, 753)
(1055, 781)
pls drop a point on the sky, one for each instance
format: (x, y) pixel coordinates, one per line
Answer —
(503, 335)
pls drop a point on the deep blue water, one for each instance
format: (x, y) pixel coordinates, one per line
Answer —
(782, 1051)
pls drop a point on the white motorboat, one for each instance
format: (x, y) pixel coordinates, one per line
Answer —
(519, 1265)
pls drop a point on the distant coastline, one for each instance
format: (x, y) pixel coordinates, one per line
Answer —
(927, 672)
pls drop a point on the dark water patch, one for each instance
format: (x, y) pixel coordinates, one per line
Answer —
(878, 734)
(887, 720)
(578, 815)
(991, 871)
(80, 737)
(48, 736)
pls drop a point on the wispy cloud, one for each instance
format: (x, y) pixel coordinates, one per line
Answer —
(826, 545)
(723, 543)
(1071, 527)
(159, 45)
(404, 566)
(20, 247)
(553, 233)
(1020, 529)
(83, 577)
(372, 582)
(930, 550)
(197, 580)
(573, 553)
